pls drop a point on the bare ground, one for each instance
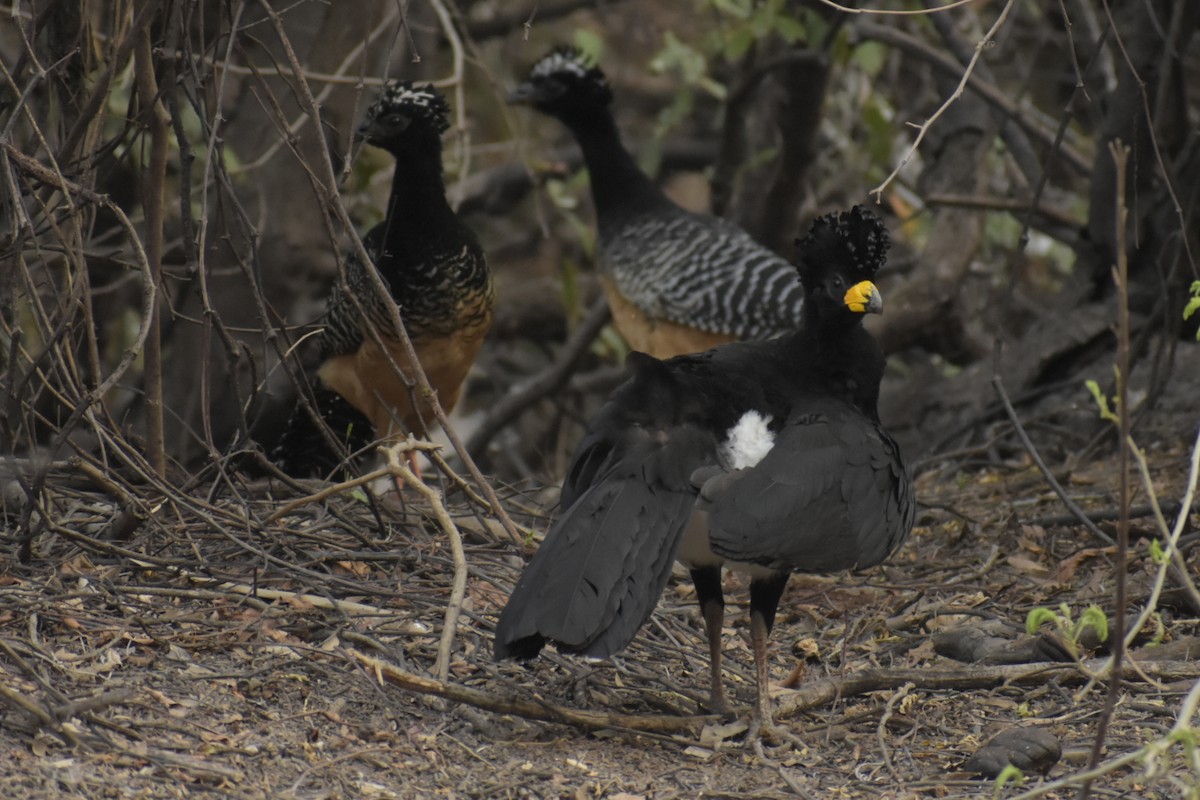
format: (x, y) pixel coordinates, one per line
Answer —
(212, 655)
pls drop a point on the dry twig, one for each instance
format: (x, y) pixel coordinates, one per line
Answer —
(790, 702)
(1072, 506)
(1120, 156)
(529, 709)
(924, 127)
(458, 589)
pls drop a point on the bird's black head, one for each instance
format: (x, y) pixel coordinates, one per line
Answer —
(837, 259)
(405, 113)
(564, 83)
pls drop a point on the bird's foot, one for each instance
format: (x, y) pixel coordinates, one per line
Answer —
(772, 743)
(763, 735)
(761, 730)
(719, 704)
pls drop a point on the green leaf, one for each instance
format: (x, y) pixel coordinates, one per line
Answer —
(792, 30)
(1157, 554)
(1039, 617)
(590, 43)
(740, 9)
(738, 43)
(680, 56)
(1193, 305)
(879, 131)
(571, 296)
(869, 57)
(717, 90)
(1184, 736)
(561, 195)
(1101, 402)
(1094, 618)
(1009, 774)
(1160, 630)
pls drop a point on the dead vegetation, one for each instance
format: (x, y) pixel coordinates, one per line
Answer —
(221, 653)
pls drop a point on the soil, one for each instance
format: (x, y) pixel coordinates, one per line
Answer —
(212, 654)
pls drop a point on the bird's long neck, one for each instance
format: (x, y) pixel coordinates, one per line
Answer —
(844, 360)
(619, 187)
(419, 192)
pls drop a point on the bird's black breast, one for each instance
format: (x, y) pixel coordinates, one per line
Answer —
(833, 493)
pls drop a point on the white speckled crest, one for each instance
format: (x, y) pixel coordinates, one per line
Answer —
(566, 61)
(423, 98)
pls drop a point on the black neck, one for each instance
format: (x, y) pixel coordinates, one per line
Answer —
(619, 186)
(839, 358)
(417, 205)
(419, 190)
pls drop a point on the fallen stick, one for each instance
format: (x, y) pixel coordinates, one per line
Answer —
(826, 690)
(529, 709)
(789, 701)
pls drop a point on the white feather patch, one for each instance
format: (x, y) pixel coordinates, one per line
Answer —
(747, 441)
(402, 95)
(560, 62)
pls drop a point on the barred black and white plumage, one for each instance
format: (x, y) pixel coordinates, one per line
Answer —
(668, 264)
(435, 272)
(435, 298)
(704, 272)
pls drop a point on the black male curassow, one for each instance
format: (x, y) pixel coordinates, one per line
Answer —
(677, 282)
(768, 457)
(436, 273)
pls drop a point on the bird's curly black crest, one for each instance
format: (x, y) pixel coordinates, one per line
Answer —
(856, 239)
(423, 100)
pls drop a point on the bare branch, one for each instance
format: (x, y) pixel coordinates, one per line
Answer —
(153, 198)
(925, 126)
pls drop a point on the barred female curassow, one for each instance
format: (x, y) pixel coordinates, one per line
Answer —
(766, 456)
(436, 273)
(676, 282)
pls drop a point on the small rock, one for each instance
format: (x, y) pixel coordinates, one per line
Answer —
(1026, 748)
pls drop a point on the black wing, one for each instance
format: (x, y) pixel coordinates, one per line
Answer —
(649, 399)
(304, 451)
(831, 494)
(598, 574)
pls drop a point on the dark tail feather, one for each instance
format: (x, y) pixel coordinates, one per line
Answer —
(598, 575)
(304, 450)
